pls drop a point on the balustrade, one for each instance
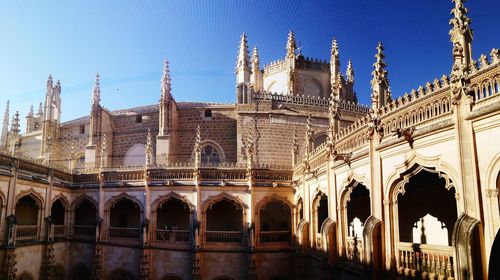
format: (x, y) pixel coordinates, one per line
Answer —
(124, 233)
(354, 249)
(27, 232)
(84, 231)
(224, 237)
(275, 236)
(425, 261)
(173, 236)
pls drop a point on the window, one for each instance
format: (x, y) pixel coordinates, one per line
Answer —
(138, 119)
(208, 113)
(210, 155)
(82, 129)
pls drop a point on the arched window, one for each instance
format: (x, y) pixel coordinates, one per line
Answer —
(27, 215)
(358, 210)
(321, 211)
(275, 222)
(124, 219)
(172, 221)
(210, 155)
(85, 219)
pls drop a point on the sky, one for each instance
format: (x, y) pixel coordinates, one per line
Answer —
(127, 41)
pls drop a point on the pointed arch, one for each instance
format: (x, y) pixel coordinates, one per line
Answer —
(63, 199)
(33, 194)
(211, 200)
(114, 199)
(273, 197)
(81, 198)
(159, 201)
(414, 164)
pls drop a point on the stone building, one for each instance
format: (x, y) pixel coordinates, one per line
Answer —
(295, 180)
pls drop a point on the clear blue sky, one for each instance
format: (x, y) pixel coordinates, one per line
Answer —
(126, 42)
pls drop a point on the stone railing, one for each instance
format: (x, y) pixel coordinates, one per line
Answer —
(234, 237)
(485, 80)
(173, 236)
(354, 249)
(27, 232)
(425, 261)
(124, 233)
(87, 232)
(274, 66)
(310, 101)
(282, 236)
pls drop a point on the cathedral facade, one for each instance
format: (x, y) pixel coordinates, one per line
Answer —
(295, 180)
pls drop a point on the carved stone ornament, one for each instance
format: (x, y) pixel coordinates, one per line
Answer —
(492, 192)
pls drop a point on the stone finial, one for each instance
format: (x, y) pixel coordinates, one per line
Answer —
(255, 58)
(40, 109)
(31, 112)
(5, 125)
(49, 81)
(166, 82)
(381, 93)
(96, 94)
(460, 22)
(436, 84)
(483, 60)
(291, 46)
(495, 56)
(149, 149)
(444, 80)
(242, 63)
(350, 72)
(421, 91)
(14, 127)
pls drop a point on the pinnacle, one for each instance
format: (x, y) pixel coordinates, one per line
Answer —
(166, 81)
(291, 45)
(243, 61)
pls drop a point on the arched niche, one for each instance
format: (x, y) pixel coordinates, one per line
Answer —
(173, 218)
(274, 220)
(84, 210)
(135, 156)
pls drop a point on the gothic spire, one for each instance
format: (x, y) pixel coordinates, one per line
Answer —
(242, 62)
(31, 112)
(49, 81)
(14, 128)
(256, 78)
(40, 109)
(380, 83)
(197, 148)
(350, 72)
(291, 46)
(96, 94)
(5, 126)
(461, 35)
(334, 58)
(166, 82)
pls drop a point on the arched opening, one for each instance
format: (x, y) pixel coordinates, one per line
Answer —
(172, 221)
(121, 274)
(224, 222)
(124, 220)
(357, 210)
(58, 215)
(79, 272)
(135, 156)
(85, 220)
(426, 211)
(27, 216)
(275, 222)
(210, 155)
(321, 211)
